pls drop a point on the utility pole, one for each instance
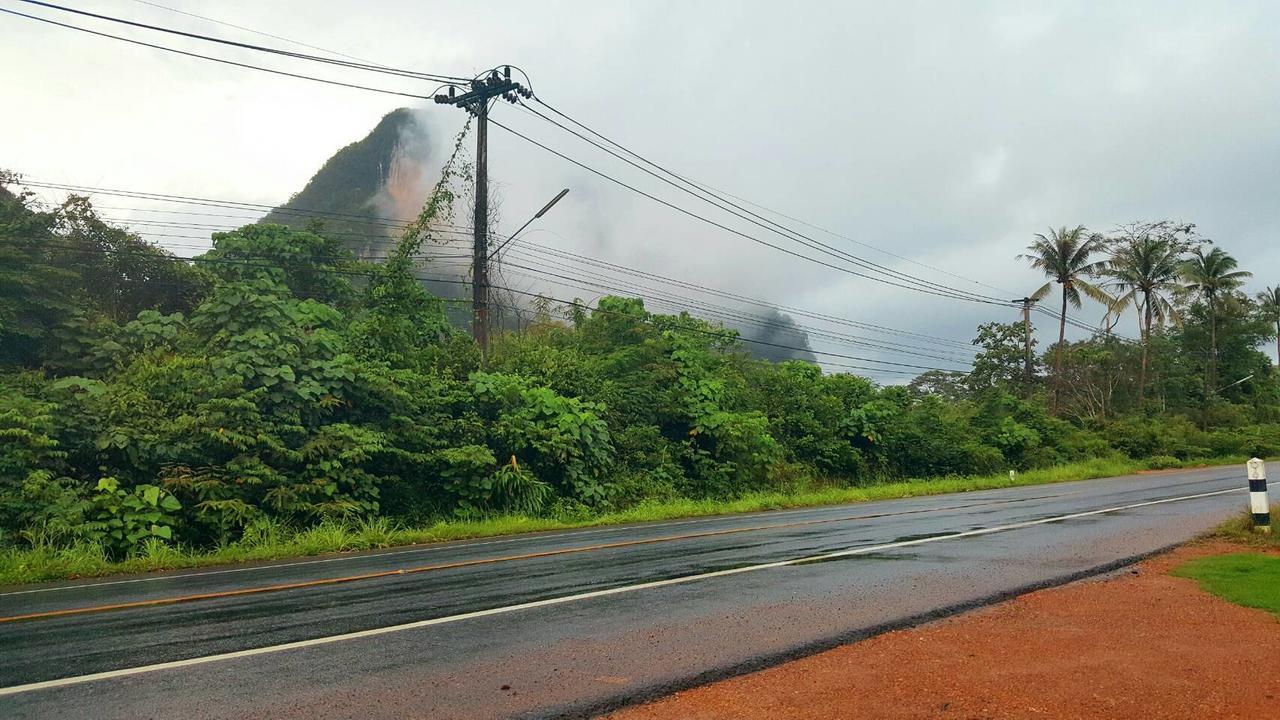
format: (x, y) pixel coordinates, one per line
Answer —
(475, 100)
(480, 230)
(1027, 375)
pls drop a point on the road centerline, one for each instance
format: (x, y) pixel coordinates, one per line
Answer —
(444, 546)
(323, 582)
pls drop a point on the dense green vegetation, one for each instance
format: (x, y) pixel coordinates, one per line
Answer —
(277, 383)
(1249, 579)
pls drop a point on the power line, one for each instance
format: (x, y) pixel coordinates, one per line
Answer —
(673, 300)
(789, 347)
(878, 344)
(210, 202)
(204, 201)
(559, 254)
(713, 192)
(853, 339)
(738, 232)
(556, 252)
(225, 227)
(251, 30)
(717, 192)
(258, 48)
(676, 301)
(215, 59)
(1078, 324)
(712, 333)
(682, 303)
(757, 219)
(783, 231)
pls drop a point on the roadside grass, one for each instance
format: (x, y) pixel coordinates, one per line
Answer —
(1240, 530)
(1249, 579)
(45, 561)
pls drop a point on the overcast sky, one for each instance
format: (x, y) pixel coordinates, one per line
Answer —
(945, 132)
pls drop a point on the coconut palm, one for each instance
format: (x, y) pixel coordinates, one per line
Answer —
(1212, 275)
(1269, 302)
(1144, 273)
(1065, 256)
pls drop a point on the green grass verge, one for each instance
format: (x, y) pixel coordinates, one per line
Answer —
(272, 542)
(1240, 530)
(1249, 579)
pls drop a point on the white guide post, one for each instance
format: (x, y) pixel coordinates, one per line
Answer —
(1258, 504)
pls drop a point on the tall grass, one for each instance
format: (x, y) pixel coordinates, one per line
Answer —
(271, 540)
(1240, 530)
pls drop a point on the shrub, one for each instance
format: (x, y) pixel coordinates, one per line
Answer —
(124, 520)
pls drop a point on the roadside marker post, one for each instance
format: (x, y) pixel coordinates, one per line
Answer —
(1258, 504)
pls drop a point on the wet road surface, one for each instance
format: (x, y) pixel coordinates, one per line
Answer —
(567, 623)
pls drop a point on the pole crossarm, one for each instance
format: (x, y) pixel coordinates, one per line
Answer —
(483, 89)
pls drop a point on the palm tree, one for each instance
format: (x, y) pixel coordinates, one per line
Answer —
(1212, 275)
(1269, 301)
(1064, 257)
(1144, 272)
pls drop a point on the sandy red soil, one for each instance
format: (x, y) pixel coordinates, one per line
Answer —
(1138, 644)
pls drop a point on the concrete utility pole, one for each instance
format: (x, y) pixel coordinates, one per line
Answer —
(476, 101)
(1026, 339)
(480, 230)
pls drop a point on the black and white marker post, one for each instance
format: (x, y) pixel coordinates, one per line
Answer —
(1258, 496)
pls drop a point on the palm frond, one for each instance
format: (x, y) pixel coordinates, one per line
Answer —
(1093, 292)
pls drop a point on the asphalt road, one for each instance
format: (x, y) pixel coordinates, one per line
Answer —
(567, 623)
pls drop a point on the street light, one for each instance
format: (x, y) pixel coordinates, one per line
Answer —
(1224, 387)
(539, 214)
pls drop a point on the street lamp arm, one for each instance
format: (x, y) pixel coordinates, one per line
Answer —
(537, 215)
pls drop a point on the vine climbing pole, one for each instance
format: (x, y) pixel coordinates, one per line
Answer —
(476, 100)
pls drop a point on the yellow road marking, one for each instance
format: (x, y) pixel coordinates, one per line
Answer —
(174, 600)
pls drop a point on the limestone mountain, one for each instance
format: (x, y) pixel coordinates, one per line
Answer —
(367, 188)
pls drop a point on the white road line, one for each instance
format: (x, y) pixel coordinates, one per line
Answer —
(125, 672)
(464, 544)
